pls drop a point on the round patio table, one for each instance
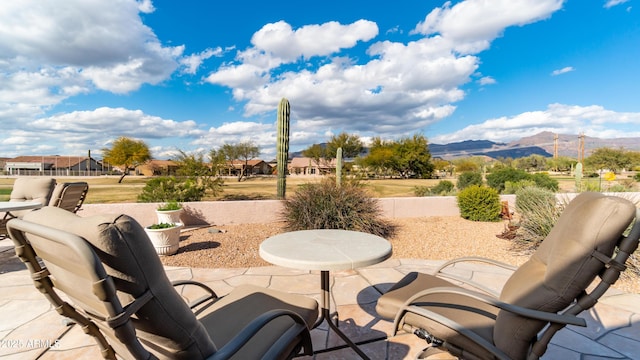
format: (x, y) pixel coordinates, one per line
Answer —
(9, 206)
(326, 250)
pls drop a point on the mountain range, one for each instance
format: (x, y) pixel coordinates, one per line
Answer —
(541, 144)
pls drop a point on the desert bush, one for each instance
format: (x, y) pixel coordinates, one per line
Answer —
(543, 180)
(326, 205)
(469, 178)
(443, 187)
(479, 203)
(498, 177)
(169, 188)
(421, 191)
(539, 210)
(513, 187)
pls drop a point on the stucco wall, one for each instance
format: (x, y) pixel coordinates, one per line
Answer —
(265, 211)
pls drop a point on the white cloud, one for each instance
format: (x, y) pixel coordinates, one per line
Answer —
(81, 130)
(146, 6)
(52, 50)
(611, 3)
(279, 40)
(471, 25)
(558, 118)
(486, 80)
(398, 88)
(192, 62)
(564, 70)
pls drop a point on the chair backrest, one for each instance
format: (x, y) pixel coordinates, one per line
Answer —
(32, 189)
(578, 249)
(164, 324)
(69, 196)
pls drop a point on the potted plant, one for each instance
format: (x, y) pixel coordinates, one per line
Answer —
(165, 237)
(169, 212)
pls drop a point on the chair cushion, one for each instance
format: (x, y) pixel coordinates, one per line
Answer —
(227, 316)
(562, 267)
(165, 324)
(469, 313)
(31, 189)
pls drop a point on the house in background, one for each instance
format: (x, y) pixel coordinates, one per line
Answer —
(53, 165)
(253, 167)
(308, 166)
(157, 167)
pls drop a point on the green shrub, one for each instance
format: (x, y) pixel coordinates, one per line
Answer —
(539, 211)
(468, 178)
(513, 187)
(169, 206)
(421, 191)
(443, 187)
(498, 177)
(161, 226)
(618, 188)
(479, 203)
(636, 177)
(169, 188)
(545, 181)
(326, 205)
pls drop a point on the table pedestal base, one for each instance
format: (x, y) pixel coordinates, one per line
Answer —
(325, 304)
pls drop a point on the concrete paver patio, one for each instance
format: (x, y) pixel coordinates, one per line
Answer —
(31, 329)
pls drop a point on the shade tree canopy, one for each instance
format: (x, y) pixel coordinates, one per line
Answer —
(126, 153)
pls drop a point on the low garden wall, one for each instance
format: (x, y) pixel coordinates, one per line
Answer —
(266, 211)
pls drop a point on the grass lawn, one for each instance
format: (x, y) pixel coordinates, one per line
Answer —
(107, 190)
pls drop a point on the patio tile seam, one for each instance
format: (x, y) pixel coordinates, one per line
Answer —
(617, 328)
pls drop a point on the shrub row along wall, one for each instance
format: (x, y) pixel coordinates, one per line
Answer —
(266, 211)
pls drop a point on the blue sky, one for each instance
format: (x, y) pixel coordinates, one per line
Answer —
(194, 75)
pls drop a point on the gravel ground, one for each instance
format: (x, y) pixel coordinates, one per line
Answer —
(434, 238)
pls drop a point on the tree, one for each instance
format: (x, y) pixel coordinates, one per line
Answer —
(561, 163)
(192, 167)
(379, 158)
(318, 153)
(412, 157)
(350, 144)
(532, 162)
(244, 151)
(466, 165)
(606, 158)
(126, 153)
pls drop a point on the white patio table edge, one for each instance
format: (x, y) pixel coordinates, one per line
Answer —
(326, 250)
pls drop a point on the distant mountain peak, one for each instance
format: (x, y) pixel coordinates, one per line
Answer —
(542, 143)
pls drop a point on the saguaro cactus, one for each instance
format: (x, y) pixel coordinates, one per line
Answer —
(339, 166)
(283, 146)
(578, 177)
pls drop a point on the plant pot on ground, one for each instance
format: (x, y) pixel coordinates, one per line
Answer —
(169, 212)
(165, 237)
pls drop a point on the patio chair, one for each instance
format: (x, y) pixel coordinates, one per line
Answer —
(27, 189)
(541, 297)
(69, 195)
(120, 294)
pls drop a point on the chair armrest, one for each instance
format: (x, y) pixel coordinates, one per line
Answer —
(211, 295)
(438, 272)
(519, 310)
(299, 328)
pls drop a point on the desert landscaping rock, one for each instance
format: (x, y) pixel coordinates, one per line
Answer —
(433, 238)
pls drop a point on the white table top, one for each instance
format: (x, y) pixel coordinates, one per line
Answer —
(18, 205)
(325, 249)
